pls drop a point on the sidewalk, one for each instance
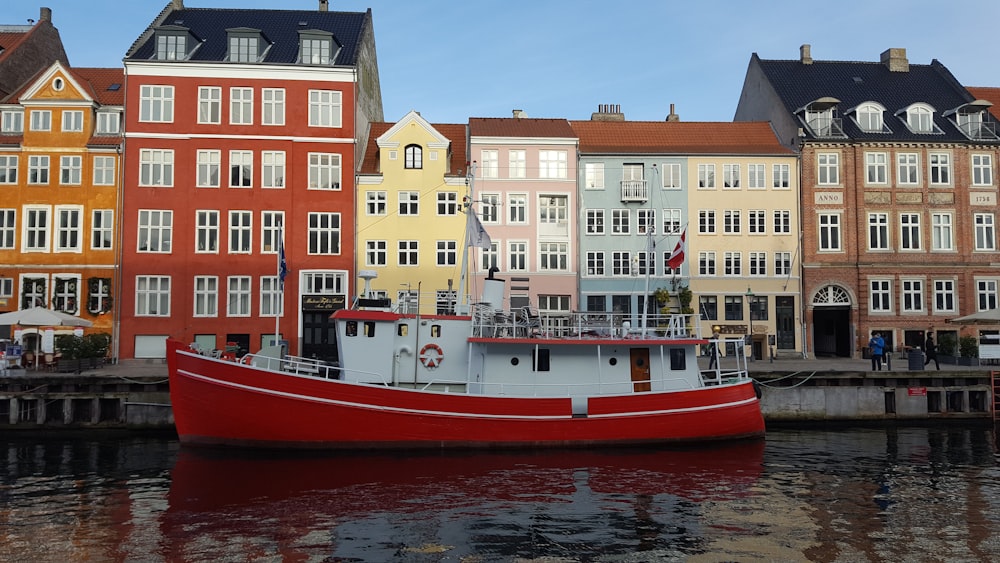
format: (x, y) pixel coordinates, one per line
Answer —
(795, 364)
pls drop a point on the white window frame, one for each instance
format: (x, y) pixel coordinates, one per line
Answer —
(706, 176)
(271, 230)
(517, 163)
(324, 171)
(756, 176)
(38, 169)
(828, 169)
(553, 256)
(672, 176)
(672, 218)
(908, 169)
(239, 292)
(156, 228)
(880, 295)
(942, 231)
(68, 229)
(553, 164)
(209, 105)
(621, 222)
(376, 253)
(706, 263)
(156, 103)
(271, 304)
(945, 296)
(876, 168)
(706, 222)
(982, 170)
(491, 163)
(240, 234)
(41, 120)
(272, 111)
(595, 264)
(409, 204)
(8, 169)
(782, 263)
(757, 221)
(156, 168)
(730, 176)
(782, 222)
(830, 232)
(939, 165)
(986, 294)
(758, 264)
(209, 168)
(985, 232)
(408, 253)
(325, 107)
(911, 295)
(517, 256)
(447, 253)
(206, 296)
(593, 175)
(732, 222)
(324, 230)
(206, 231)
(376, 203)
(102, 229)
(72, 121)
(878, 231)
(272, 170)
(240, 169)
(71, 169)
(489, 208)
(8, 228)
(36, 228)
(447, 204)
(152, 296)
(104, 170)
(517, 209)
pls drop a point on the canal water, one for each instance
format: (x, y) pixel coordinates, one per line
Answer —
(846, 494)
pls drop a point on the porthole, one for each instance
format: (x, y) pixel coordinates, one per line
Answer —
(514, 361)
(58, 84)
(613, 361)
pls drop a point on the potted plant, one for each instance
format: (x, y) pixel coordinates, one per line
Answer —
(968, 349)
(662, 296)
(82, 352)
(947, 348)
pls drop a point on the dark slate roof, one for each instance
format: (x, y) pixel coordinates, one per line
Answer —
(279, 27)
(853, 83)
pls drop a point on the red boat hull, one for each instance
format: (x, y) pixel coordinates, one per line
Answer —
(221, 402)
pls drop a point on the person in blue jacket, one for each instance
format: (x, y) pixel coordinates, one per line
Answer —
(877, 347)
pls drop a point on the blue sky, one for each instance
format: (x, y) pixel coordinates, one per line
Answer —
(452, 59)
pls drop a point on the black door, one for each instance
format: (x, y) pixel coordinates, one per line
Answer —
(832, 331)
(784, 318)
(319, 340)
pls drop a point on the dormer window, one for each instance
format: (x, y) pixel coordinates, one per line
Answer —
(109, 122)
(972, 120)
(919, 118)
(173, 43)
(12, 121)
(317, 47)
(869, 117)
(245, 45)
(414, 157)
(820, 117)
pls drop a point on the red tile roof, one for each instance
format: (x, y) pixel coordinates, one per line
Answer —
(678, 137)
(100, 81)
(520, 127)
(455, 132)
(9, 41)
(991, 95)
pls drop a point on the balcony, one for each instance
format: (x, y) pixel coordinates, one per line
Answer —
(634, 190)
(827, 127)
(979, 131)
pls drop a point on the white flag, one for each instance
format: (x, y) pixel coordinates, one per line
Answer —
(477, 235)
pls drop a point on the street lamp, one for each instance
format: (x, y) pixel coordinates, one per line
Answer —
(750, 333)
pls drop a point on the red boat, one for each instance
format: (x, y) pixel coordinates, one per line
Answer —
(490, 378)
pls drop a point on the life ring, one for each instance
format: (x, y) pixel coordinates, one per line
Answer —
(431, 356)
(245, 360)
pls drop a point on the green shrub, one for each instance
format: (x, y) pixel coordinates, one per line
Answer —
(968, 347)
(947, 344)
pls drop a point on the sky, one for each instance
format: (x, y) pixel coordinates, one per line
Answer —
(455, 59)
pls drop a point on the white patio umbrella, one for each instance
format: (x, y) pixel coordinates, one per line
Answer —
(38, 317)
(988, 317)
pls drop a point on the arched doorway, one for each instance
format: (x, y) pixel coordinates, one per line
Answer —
(832, 322)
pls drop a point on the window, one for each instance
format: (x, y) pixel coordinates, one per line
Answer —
(240, 232)
(552, 210)
(828, 171)
(491, 257)
(324, 171)
(244, 48)
(207, 231)
(517, 256)
(70, 170)
(731, 176)
(315, 50)
(646, 263)
(620, 221)
(99, 300)
(706, 222)
(593, 175)
(272, 106)
(272, 171)
(756, 176)
(944, 296)
(518, 166)
(909, 231)
(8, 169)
(489, 210)
(907, 169)
(706, 263)
(209, 104)
(758, 263)
(172, 47)
(920, 119)
(208, 165)
(708, 307)
(595, 221)
(206, 296)
(733, 264)
(109, 123)
(324, 233)
(12, 121)
(375, 203)
(941, 231)
(756, 221)
(982, 170)
(986, 293)
(34, 292)
(238, 296)
(552, 164)
(878, 231)
(491, 163)
(645, 221)
(324, 108)
(447, 253)
(155, 230)
(869, 118)
(782, 222)
(553, 256)
(41, 120)
(671, 221)
(414, 157)
(72, 121)
(985, 232)
(408, 253)
(241, 169)
(8, 228)
(152, 296)
(672, 176)
(667, 270)
(518, 209)
(880, 296)
(447, 203)
(782, 263)
(156, 167)
(66, 294)
(731, 222)
(734, 307)
(409, 203)
(913, 296)
(156, 104)
(38, 169)
(706, 176)
(271, 231)
(595, 262)
(35, 237)
(376, 253)
(940, 168)
(104, 170)
(875, 168)
(69, 224)
(621, 263)
(829, 232)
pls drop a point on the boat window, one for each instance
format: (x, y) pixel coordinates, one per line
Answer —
(436, 331)
(678, 359)
(514, 361)
(540, 359)
(352, 328)
(369, 329)
(613, 362)
(402, 329)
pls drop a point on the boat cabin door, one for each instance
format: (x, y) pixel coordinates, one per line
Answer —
(640, 369)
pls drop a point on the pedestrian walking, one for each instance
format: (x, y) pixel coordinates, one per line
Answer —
(877, 347)
(930, 348)
(713, 351)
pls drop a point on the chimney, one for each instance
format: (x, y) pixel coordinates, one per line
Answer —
(673, 116)
(324, 5)
(45, 14)
(805, 54)
(895, 60)
(177, 4)
(519, 113)
(608, 112)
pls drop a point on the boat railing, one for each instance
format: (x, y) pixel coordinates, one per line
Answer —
(593, 388)
(305, 366)
(525, 323)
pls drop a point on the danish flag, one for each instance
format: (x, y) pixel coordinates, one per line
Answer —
(677, 256)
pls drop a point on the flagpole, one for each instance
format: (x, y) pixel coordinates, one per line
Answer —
(463, 306)
(281, 281)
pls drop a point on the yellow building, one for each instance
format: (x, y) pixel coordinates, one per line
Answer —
(59, 171)
(410, 215)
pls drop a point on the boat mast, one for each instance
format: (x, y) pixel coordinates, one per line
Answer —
(650, 261)
(462, 308)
